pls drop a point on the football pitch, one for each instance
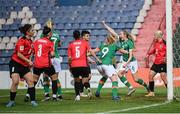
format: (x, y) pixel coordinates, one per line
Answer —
(136, 103)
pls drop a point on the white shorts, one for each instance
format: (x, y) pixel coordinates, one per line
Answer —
(132, 66)
(57, 64)
(106, 70)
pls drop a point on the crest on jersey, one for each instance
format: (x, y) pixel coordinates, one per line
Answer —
(21, 48)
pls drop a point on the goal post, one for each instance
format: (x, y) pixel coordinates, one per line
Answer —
(169, 49)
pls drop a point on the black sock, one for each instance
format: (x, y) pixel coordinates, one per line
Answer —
(81, 86)
(12, 96)
(54, 86)
(27, 91)
(77, 87)
(151, 86)
(166, 85)
(32, 93)
(86, 85)
(35, 84)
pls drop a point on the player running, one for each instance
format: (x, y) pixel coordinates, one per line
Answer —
(20, 65)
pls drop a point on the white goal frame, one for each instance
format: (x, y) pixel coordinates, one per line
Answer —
(169, 49)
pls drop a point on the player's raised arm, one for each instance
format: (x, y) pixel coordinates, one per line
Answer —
(110, 30)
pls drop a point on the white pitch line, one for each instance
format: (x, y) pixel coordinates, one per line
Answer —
(139, 107)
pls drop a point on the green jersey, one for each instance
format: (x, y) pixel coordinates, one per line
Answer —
(107, 53)
(127, 45)
(56, 39)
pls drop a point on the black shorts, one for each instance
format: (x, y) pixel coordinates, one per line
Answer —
(159, 68)
(80, 71)
(15, 67)
(47, 70)
(89, 70)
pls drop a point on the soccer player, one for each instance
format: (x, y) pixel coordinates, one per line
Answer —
(55, 61)
(129, 61)
(106, 69)
(159, 66)
(20, 65)
(77, 59)
(86, 36)
(44, 51)
(122, 78)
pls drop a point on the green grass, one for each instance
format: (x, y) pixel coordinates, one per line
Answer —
(94, 105)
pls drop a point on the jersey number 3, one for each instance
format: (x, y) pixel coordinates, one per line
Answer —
(39, 53)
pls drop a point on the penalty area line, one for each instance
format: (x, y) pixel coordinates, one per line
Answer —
(139, 107)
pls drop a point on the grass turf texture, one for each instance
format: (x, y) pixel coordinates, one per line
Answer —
(94, 105)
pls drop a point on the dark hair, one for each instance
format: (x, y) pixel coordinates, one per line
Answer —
(25, 28)
(46, 30)
(84, 32)
(76, 34)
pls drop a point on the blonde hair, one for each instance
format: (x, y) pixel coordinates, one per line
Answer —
(111, 38)
(49, 23)
(158, 34)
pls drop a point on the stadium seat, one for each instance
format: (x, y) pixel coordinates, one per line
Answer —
(9, 33)
(137, 25)
(2, 45)
(2, 33)
(119, 14)
(33, 21)
(37, 26)
(21, 15)
(29, 14)
(17, 33)
(25, 21)
(13, 15)
(5, 39)
(25, 9)
(135, 31)
(10, 46)
(13, 39)
(2, 21)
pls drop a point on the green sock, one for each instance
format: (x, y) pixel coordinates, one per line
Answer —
(101, 83)
(59, 90)
(125, 81)
(141, 82)
(46, 83)
(115, 88)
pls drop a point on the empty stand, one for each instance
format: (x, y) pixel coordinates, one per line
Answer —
(120, 14)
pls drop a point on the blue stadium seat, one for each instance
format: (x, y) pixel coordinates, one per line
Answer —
(9, 33)
(119, 14)
(2, 33)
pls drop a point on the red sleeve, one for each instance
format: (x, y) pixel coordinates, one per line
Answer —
(88, 46)
(51, 46)
(20, 46)
(151, 51)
